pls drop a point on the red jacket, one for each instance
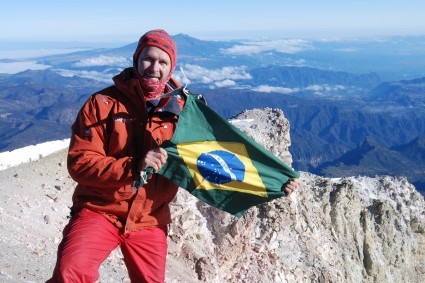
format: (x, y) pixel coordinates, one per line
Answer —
(112, 132)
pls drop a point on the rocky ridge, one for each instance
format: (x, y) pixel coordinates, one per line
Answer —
(354, 229)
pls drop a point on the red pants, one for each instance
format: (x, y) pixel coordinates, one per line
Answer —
(89, 238)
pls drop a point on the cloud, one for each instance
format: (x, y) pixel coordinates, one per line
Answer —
(347, 50)
(225, 83)
(317, 89)
(267, 88)
(290, 46)
(16, 67)
(325, 87)
(103, 60)
(94, 75)
(223, 77)
(35, 53)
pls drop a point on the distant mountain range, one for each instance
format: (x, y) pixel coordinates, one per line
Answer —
(342, 137)
(39, 106)
(355, 107)
(370, 157)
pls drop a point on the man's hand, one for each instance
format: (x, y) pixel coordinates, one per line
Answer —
(154, 158)
(291, 186)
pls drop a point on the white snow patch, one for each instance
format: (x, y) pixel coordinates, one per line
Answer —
(235, 121)
(30, 153)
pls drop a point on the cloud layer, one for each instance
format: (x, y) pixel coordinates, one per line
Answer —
(290, 46)
(316, 89)
(94, 75)
(103, 60)
(223, 77)
(16, 67)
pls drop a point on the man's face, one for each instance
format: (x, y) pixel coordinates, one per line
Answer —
(153, 63)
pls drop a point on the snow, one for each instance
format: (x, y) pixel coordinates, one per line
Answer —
(235, 121)
(30, 153)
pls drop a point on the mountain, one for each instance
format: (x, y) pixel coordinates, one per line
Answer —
(408, 93)
(353, 229)
(303, 77)
(415, 150)
(326, 128)
(40, 106)
(190, 47)
(369, 157)
(335, 93)
(381, 57)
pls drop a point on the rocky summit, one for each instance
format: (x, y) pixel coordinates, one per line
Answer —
(352, 229)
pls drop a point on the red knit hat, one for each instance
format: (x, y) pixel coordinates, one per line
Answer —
(158, 38)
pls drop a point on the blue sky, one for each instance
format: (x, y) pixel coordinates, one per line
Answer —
(117, 22)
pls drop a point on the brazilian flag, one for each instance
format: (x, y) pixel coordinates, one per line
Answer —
(219, 164)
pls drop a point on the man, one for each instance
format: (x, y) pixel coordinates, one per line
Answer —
(116, 135)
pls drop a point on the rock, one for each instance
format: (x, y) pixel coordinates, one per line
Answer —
(354, 229)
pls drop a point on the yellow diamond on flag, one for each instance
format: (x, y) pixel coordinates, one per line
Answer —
(221, 166)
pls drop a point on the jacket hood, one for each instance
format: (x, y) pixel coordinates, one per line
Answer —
(158, 38)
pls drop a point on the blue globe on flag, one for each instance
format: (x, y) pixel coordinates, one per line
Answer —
(220, 167)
